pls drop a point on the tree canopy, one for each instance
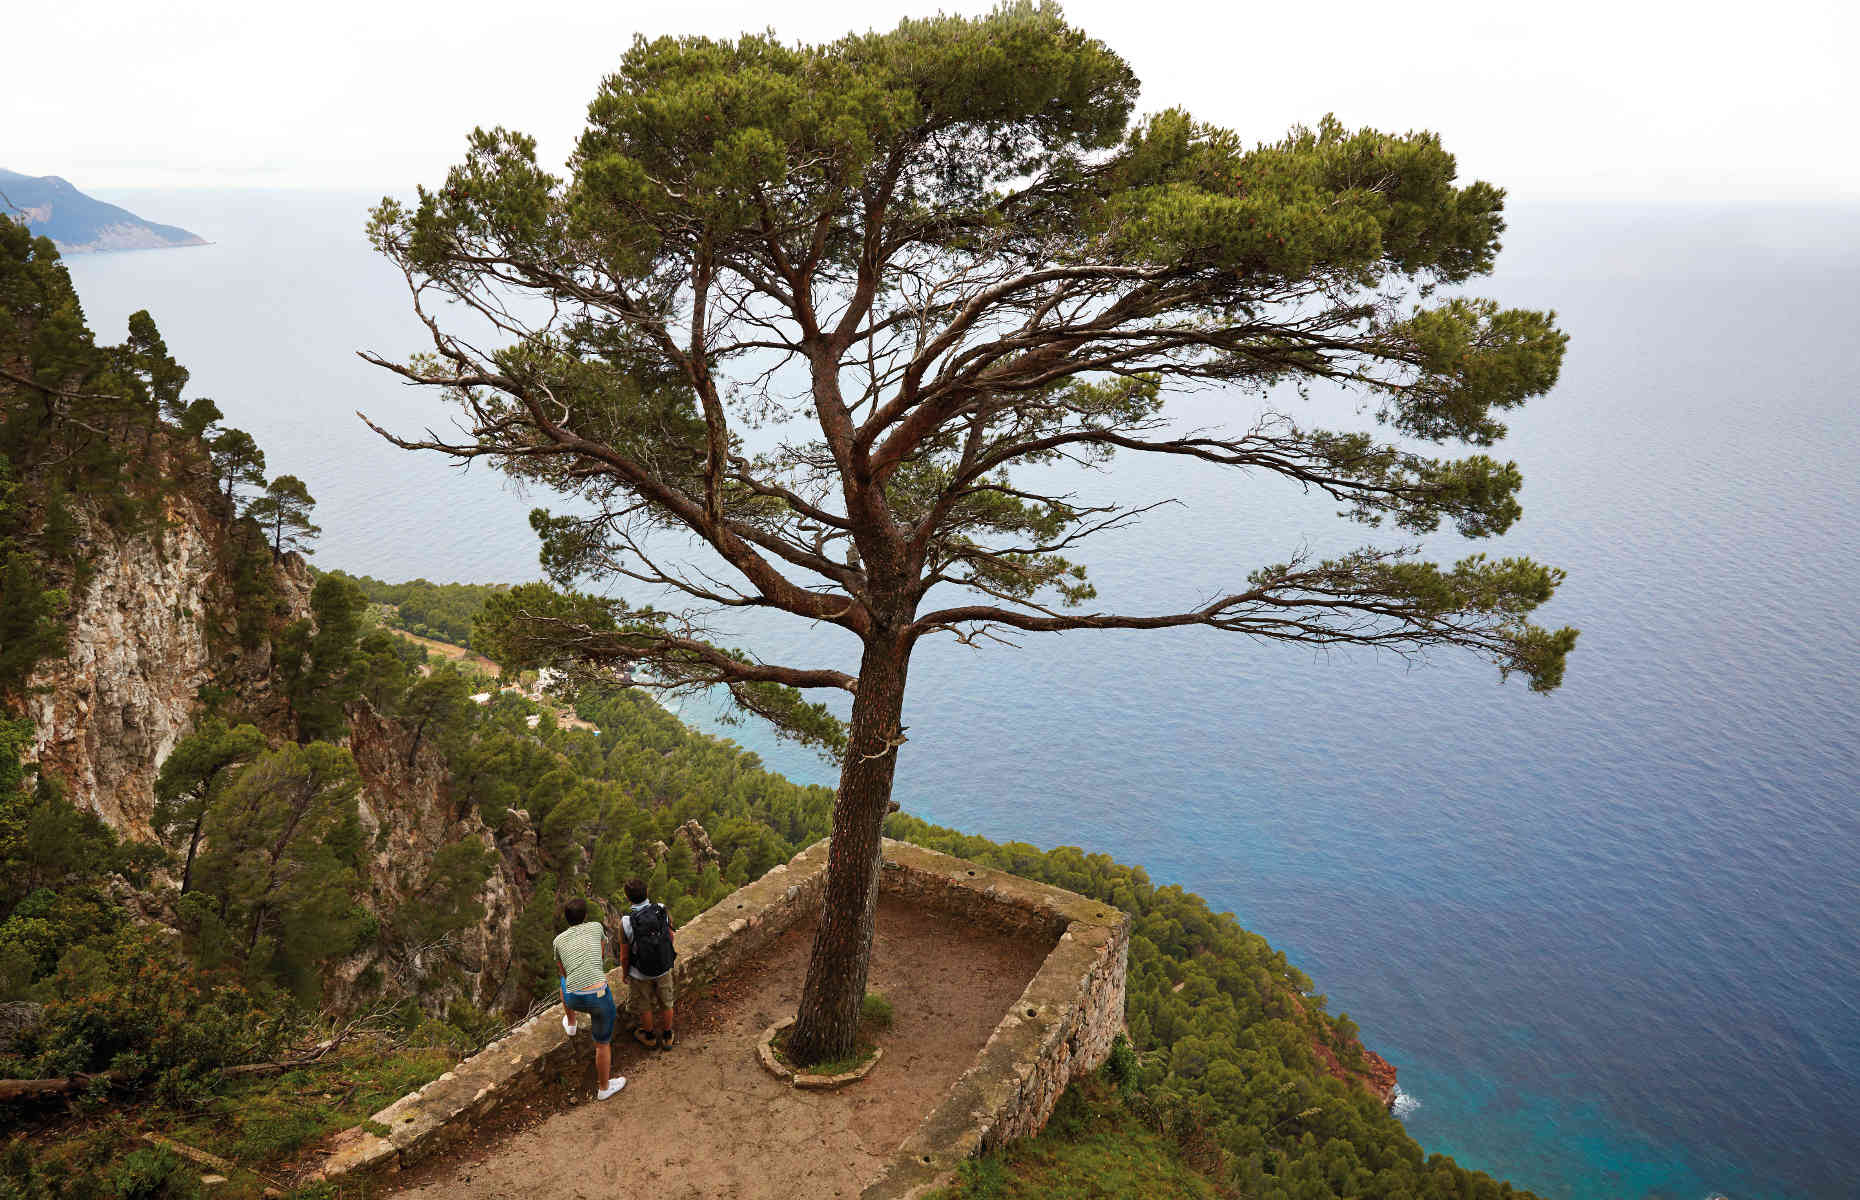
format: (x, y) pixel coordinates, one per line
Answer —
(830, 310)
(192, 776)
(237, 461)
(316, 658)
(284, 513)
(277, 874)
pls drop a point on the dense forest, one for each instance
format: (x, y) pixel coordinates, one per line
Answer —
(441, 611)
(183, 986)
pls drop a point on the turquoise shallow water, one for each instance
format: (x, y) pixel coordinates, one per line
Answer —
(1607, 936)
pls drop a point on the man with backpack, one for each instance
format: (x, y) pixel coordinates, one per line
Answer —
(646, 953)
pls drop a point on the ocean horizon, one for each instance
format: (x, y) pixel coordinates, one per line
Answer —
(1607, 936)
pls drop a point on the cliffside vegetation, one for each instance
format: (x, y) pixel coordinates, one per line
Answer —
(172, 973)
(1226, 1061)
(101, 433)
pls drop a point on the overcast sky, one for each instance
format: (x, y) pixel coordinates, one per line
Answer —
(1682, 102)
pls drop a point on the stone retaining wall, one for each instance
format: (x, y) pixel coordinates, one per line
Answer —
(1062, 1025)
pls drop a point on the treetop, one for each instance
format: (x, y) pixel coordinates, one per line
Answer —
(980, 260)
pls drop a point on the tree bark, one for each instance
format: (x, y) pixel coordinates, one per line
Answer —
(413, 751)
(193, 844)
(827, 1023)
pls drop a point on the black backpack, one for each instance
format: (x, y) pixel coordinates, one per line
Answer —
(650, 948)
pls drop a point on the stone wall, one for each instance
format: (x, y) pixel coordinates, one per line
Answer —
(537, 1052)
(1062, 1024)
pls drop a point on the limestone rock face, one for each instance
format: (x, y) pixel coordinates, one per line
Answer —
(697, 841)
(16, 1020)
(141, 645)
(140, 648)
(408, 814)
(692, 837)
(1379, 1077)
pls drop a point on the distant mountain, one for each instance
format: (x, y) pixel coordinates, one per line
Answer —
(50, 206)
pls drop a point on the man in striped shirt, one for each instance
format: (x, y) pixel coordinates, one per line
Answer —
(580, 962)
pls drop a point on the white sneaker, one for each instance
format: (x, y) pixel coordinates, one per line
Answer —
(612, 1089)
(568, 1027)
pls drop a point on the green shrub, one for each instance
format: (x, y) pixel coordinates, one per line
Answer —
(136, 1008)
(1121, 1067)
(875, 1012)
(152, 1174)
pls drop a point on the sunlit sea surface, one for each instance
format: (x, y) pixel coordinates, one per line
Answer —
(1610, 937)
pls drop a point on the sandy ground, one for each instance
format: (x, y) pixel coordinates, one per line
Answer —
(703, 1121)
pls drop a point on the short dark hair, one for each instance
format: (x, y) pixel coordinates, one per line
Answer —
(636, 890)
(575, 911)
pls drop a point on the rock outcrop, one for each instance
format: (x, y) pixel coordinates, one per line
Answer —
(140, 648)
(692, 837)
(1376, 1075)
(152, 627)
(408, 814)
(16, 1020)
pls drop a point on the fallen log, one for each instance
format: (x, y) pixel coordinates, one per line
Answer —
(186, 1151)
(26, 1089)
(23, 1089)
(225, 1167)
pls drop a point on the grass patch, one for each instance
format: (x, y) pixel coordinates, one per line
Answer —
(1093, 1148)
(863, 1050)
(875, 1016)
(875, 1011)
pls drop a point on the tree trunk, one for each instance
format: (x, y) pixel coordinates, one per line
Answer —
(828, 1021)
(413, 751)
(193, 844)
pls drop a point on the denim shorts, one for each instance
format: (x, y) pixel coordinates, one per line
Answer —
(599, 1005)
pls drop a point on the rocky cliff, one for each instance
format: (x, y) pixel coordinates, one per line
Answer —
(1376, 1075)
(408, 813)
(153, 625)
(141, 646)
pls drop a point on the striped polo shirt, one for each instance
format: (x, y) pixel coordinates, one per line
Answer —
(578, 948)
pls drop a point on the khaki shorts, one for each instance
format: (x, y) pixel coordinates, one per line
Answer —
(651, 995)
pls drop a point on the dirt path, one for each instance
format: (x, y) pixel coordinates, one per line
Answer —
(458, 654)
(704, 1122)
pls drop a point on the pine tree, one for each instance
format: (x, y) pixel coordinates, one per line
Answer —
(159, 380)
(277, 875)
(385, 666)
(531, 935)
(436, 706)
(237, 462)
(316, 658)
(197, 419)
(980, 263)
(193, 773)
(284, 512)
(447, 900)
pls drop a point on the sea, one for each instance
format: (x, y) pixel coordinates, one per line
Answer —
(1610, 936)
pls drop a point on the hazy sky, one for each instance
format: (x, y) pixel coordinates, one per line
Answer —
(1686, 102)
